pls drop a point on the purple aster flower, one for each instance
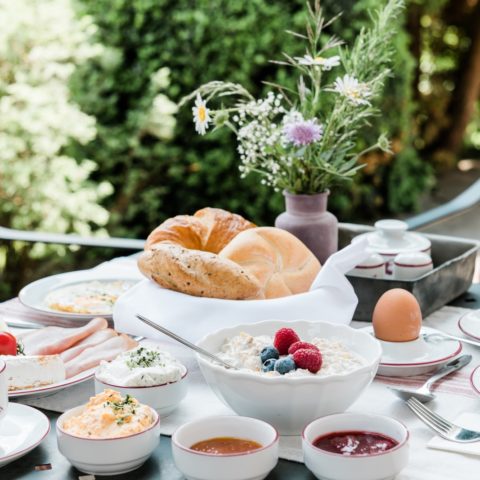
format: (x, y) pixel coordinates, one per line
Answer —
(302, 132)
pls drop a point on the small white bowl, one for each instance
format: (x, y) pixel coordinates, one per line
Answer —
(254, 465)
(410, 266)
(372, 267)
(333, 466)
(112, 456)
(163, 398)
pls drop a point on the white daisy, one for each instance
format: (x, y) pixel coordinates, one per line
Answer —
(354, 90)
(323, 62)
(201, 115)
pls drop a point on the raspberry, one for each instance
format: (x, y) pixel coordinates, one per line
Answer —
(310, 360)
(298, 345)
(283, 339)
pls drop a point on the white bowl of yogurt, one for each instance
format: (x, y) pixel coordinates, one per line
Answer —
(289, 402)
(151, 375)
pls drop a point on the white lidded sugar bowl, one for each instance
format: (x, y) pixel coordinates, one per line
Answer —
(390, 239)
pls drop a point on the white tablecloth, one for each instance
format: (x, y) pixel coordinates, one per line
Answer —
(454, 396)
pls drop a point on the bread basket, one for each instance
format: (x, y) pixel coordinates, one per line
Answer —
(331, 299)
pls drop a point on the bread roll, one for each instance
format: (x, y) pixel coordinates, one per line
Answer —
(282, 264)
(209, 230)
(198, 273)
(181, 254)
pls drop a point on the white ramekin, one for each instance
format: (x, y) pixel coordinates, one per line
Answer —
(164, 398)
(112, 456)
(253, 465)
(333, 466)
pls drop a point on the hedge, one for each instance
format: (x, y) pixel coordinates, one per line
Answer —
(230, 40)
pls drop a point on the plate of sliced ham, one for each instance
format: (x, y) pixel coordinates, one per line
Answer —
(54, 358)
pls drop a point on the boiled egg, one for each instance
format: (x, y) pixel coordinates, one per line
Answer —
(397, 316)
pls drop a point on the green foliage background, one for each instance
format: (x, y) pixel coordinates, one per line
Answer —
(220, 40)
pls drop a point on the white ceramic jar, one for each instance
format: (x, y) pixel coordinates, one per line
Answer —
(390, 239)
(410, 266)
(372, 267)
(3, 389)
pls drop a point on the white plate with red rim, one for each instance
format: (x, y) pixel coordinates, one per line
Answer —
(22, 429)
(475, 380)
(469, 324)
(53, 387)
(406, 359)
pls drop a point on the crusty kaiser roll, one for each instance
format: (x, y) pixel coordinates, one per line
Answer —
(181, 254)
(282, 264)
(210, 229)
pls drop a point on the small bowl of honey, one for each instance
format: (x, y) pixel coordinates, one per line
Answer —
(220, 447)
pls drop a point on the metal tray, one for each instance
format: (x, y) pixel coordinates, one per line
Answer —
(454, 265)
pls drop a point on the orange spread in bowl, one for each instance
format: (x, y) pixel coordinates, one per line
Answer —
(110, 415)
(225, 445)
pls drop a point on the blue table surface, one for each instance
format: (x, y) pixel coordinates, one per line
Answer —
(161, 464)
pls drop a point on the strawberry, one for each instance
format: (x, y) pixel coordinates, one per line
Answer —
(308, 359)
(283, 339)
(298, 345)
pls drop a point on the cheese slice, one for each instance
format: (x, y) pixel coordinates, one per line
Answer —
(33, 371)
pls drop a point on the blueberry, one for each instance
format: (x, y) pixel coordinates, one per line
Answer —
(269, 365)
(285, 365)
(269, 352)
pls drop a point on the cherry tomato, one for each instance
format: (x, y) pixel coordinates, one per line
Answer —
(8, 344)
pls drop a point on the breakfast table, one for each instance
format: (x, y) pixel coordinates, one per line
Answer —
(454, 397)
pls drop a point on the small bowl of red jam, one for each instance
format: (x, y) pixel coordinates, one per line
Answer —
(354, 445)
(233, 447)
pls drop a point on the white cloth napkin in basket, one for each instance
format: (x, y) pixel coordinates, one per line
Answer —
(331, 298)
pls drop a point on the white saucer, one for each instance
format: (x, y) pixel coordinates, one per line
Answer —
(33, 295)
(405, 359)
(475, 380)
(469, 324)
(21, 430)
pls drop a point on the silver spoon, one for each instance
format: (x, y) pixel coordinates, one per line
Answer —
(185, 342)
(424, 394)
(441, 336)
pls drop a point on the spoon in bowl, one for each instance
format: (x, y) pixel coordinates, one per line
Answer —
(424, 393)
(185, 342)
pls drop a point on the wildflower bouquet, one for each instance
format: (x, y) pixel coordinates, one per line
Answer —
(304, 140)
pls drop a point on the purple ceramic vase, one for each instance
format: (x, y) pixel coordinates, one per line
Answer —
(307, 218)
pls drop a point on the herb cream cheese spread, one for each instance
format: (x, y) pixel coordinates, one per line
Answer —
(141, 367)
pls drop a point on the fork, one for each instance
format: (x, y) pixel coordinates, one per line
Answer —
(443, 427)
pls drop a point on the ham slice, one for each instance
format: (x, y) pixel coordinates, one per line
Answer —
(53, 340)
(92, 356)
(94, 339)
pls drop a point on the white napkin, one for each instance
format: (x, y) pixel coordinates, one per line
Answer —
(331, 299)
(467, 420)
